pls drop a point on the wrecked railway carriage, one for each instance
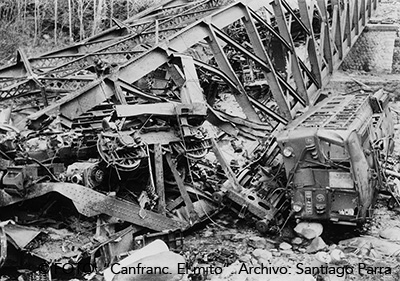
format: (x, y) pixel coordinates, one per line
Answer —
(113, 136)
(333, 158)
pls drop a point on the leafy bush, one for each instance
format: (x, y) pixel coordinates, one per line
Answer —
(9, 41)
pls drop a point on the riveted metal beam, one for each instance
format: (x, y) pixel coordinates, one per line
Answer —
(306, 15)
(223, 63)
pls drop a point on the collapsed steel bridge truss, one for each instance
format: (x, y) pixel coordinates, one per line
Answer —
(172, 59)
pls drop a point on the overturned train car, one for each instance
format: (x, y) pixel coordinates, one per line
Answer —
(332, 157)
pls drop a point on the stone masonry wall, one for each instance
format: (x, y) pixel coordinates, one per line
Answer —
(373, 52)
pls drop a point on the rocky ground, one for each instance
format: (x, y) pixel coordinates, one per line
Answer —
(238, 249)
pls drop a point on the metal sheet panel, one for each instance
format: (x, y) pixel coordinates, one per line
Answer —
(340, 180)
(21, 235)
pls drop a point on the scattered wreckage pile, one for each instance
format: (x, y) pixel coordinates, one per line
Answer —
(113, 136)
(128, 157)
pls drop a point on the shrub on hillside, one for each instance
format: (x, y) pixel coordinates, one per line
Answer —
(9, 42)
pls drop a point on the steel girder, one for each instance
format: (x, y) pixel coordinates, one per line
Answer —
(293, 81)
(91, 203)
(299, 84)
(113, 45)
(294, 85)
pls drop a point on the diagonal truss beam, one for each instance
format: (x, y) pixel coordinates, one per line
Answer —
(287, 38)
(223, 63)
(211, 28)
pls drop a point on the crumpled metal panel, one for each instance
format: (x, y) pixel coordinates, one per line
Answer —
(3, 246)
(21, 235)
(91, 203)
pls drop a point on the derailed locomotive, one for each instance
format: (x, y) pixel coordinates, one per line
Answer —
(332, 156)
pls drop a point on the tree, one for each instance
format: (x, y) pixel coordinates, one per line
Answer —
(71, 39)
(36, 22)
(80, 15)
(55, 20)
(98, 12)
(31, 21)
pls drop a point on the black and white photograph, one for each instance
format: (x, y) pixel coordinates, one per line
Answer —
(199, 140)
